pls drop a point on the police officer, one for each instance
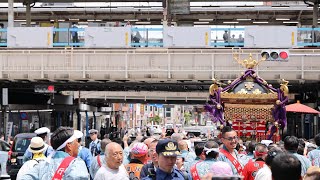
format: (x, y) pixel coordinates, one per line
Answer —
(94, 146)
(44, 134)
(167, 151)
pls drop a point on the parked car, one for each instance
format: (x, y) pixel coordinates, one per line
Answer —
(19, 146)
(4, 149)
(157, 129)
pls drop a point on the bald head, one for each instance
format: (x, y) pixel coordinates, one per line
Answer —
(139, 138)
(176, 137)
(111, 147)
(182, 145)
(114, 155)
(148, 141)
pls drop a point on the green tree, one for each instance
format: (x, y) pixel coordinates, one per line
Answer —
(187, 117)
(156, 119)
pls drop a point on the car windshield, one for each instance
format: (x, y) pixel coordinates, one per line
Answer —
(21, 144)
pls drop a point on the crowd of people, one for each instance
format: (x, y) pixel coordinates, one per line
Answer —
(169, 156)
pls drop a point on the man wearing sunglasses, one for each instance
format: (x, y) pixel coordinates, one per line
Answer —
(228, 152)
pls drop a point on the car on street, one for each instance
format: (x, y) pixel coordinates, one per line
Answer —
(19, 146)
(4, 149)
(156, 129)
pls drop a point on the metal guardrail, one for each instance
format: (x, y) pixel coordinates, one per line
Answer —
(150, 64)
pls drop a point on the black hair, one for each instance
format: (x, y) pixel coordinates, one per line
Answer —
(144, 138)
(272, 153)
(286, 166)
(198, 149)
(217, 140)
(317, 139)
(252, 146)
(302, 142)
(272, 145)
(212, 154)
(226, 129)
(43, 135)
(300, 149)
(191, 135)
(169, 132)
(182, 158)
(238, 147)
(60, 135)
(291, 143)
(119, 141)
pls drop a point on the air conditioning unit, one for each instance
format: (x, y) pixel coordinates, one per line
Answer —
(88, 76)
(107, 76)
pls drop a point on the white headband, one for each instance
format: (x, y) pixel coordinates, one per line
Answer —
(76, 135)
(207, 150)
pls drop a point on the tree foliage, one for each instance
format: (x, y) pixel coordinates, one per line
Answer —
(155, 119)
(187, 117)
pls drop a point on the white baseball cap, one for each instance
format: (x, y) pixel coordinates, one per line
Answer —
(42, 130)
(266, 142)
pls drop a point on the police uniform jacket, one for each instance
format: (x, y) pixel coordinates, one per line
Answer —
(174, 175)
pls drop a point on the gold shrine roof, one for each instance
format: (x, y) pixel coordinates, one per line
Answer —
(266, 98)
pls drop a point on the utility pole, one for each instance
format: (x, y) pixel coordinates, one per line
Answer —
(4, 112)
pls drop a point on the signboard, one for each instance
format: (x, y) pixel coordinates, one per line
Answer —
(4, 96)
(25, 125)
(23, 116)
(9, 129)
(179, 6)
(35, 121)
(156, 105)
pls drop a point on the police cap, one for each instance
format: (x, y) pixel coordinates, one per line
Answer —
(93, 131)
(167, 147)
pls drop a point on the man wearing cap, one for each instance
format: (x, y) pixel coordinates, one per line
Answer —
(139, 155)
(62, 163)
(44, 134)
(167, 151)
(36, 147)
(94, 146)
